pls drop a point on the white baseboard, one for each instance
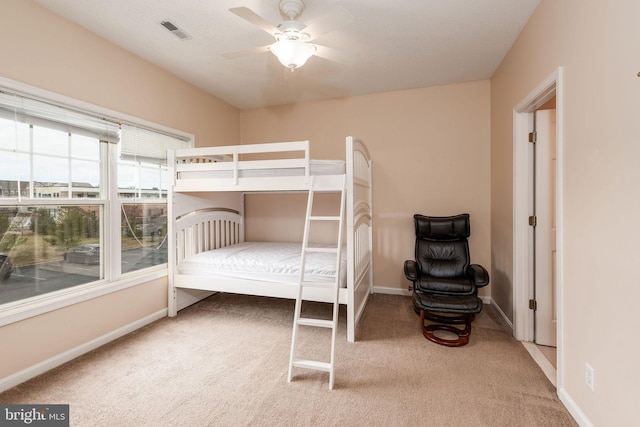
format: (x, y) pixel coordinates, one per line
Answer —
(551, 374)
(59, 359)
(389, 290)
(546, 366)
(504, 316)
(574, 409)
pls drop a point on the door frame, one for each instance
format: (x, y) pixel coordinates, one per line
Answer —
(523, 321)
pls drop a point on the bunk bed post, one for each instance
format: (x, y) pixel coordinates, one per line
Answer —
(351, 335)
(307, 160)
(172, 309)
(241, 227)
(359, 247)
(236, 173)
(370, 197)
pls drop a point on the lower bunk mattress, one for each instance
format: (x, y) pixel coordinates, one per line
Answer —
(266, 262)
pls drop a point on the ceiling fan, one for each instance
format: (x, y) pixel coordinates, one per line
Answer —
(293, 45)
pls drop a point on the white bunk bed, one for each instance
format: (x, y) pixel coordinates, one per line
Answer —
(206, 212)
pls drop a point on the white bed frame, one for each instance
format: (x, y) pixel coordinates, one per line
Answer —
(206, 212)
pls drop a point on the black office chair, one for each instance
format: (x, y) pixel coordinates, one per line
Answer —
(445, 283)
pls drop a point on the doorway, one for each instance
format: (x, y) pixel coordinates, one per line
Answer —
(543, 244)
(527, 321)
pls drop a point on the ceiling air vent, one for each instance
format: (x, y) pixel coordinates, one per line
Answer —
(175, 30)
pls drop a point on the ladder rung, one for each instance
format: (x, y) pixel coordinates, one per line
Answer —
(321, 323)
(312, 364)
(329, 250)
(324, 218)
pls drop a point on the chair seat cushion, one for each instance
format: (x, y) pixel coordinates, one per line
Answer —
(463, 304)
(443, 285)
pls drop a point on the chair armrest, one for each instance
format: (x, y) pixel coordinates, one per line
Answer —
(411, 270)
(478, 274)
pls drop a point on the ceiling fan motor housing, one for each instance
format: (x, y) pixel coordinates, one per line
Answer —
(291, 8)
(292, 30)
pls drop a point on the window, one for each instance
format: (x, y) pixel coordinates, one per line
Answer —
(142, 190)
(43, 243)
(57, 203)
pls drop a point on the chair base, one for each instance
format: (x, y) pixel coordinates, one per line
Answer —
(444, 323)
(446, 311)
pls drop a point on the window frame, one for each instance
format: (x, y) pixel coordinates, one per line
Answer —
(113, 280)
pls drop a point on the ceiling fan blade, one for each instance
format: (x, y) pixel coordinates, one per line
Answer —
(240, 54)
(250, 16)
(335, 55)
(334, 19)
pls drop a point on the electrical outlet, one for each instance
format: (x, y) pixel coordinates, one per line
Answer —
(588, 375)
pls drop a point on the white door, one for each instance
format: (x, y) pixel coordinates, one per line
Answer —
(545, 230)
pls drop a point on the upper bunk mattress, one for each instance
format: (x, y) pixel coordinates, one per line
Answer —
(265, 261)
(316, 167)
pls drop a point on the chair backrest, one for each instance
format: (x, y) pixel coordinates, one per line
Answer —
(442, 249)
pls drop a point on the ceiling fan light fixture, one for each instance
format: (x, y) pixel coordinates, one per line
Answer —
(292, 53)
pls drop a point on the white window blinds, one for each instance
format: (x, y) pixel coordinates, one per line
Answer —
(143, 145)
(23, 109)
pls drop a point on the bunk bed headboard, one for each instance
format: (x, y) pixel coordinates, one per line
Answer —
(206, 229)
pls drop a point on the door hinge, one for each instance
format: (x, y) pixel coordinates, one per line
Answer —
(533, 305)
(533, 220)
(533, 137)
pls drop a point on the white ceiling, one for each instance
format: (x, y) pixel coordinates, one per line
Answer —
(397, 44)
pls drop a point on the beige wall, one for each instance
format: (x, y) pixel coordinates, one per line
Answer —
(43, 50)
(430, 150)
(596, 43)
(417, 139)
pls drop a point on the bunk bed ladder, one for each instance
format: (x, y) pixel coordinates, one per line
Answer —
(335, 284)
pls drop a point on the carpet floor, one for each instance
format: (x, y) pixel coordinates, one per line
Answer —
(223, 362)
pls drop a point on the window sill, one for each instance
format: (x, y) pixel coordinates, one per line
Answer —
(78, 294)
